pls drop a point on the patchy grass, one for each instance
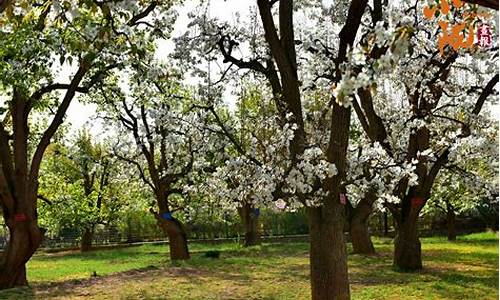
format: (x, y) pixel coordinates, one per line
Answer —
(465, 269)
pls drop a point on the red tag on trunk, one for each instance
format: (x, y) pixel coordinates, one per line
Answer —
(343, 199)
(20, 217)
(417, 202)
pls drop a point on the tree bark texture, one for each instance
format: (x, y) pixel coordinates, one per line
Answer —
(407, 247)
(86, 242)
(450, 225)
(407, 250)
(360, 238)
(358, 225)
(251, 224)
(177, 238)
(25, 238)
(328, 253)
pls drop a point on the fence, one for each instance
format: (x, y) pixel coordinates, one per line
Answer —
(110, 238)
(272, 230)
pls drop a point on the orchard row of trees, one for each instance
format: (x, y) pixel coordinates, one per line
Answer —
(343, 108)
(88, 193)
(90, 187)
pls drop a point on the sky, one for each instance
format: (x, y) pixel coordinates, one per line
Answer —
(80, 114)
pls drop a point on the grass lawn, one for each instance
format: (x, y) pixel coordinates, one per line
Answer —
(465, 269)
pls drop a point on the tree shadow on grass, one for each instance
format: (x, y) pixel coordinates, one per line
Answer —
(482, 242)
(447, 274)
(162, 250)
(457, 284)
(293, 272)
(247, 265)
(465, 279)
(71, 287)
(462, 241)
(18, 293)
(484, 259)
(108, 254)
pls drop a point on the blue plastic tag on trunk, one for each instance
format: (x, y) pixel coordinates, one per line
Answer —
(167, 216)
(256, 212)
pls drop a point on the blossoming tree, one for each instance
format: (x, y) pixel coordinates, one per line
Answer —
(468, 184)
(93, 38)
(168, 144)
(311, 169)
(418, 108)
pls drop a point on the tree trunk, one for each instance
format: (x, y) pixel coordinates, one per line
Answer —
(177, 238)
(86, 242)
(250, 220)
(407, 248)
(450, 224)
(386, 225)
(360, 237)
(25, 238)
(328, 254)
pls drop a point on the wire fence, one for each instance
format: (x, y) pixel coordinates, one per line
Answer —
(104, 237)
(107, 240)
(111, 238)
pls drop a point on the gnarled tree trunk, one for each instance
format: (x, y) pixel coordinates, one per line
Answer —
(407, 247)
(407, 250)
(250, 221)
(360, 236)
(177, 238)
(386, 224)
(19, 174)
(25, 238)
(329, 277)
(86, 242)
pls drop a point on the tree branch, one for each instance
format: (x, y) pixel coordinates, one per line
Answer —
(64, 86)
(45, 199)
(135, 19)
(56, 86)
(488, 89)
(231, 138)
(4, 4)
(6, 160)
(5, 194)
(58, 119)
(137, 165)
